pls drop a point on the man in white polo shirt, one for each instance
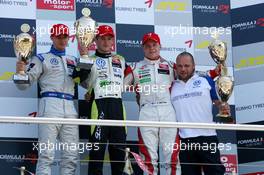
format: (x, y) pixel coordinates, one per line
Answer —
(193, 97)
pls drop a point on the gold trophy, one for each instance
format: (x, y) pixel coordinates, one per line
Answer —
(224, 83)
(24, 45)
(86, 29)
(128, 167)
(22, 170)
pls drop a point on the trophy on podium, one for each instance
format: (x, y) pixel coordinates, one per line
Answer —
(128, 170)
(86, 29)
(224, 83)
(22, 170)
(24, 45)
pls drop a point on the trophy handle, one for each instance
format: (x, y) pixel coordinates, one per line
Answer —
(222, 109)
(84, 54)
(84, 62)
(224, 71)
(223, 116)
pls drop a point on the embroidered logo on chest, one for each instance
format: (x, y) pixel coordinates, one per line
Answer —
(163, 69)
(164, 66)
(54, 61)
(197, 83)
(100, 63)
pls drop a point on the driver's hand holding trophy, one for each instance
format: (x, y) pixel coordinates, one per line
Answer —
(224, 83)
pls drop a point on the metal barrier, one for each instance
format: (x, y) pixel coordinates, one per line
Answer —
(40, 120)
(129, 123)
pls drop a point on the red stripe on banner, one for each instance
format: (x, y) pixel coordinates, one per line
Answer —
(144, 151)
(108, 3)
(149, 2)
(32, 114)
(174, 156)
(189, 42)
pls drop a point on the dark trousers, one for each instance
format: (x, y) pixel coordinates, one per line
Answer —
(200, 153)
(108, 108)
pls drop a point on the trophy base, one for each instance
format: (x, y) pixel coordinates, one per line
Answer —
(224, 118)
(85, 63)
(20, 79)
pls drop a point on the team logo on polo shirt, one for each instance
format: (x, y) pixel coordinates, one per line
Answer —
(197, 83)
(54, 61)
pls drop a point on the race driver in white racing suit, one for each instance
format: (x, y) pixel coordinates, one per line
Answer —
(152, 79)
(55, 72)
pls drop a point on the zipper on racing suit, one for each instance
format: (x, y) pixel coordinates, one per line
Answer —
(64, 82)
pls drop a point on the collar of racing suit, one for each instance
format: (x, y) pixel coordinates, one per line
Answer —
(103, 55)
(57, 52)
